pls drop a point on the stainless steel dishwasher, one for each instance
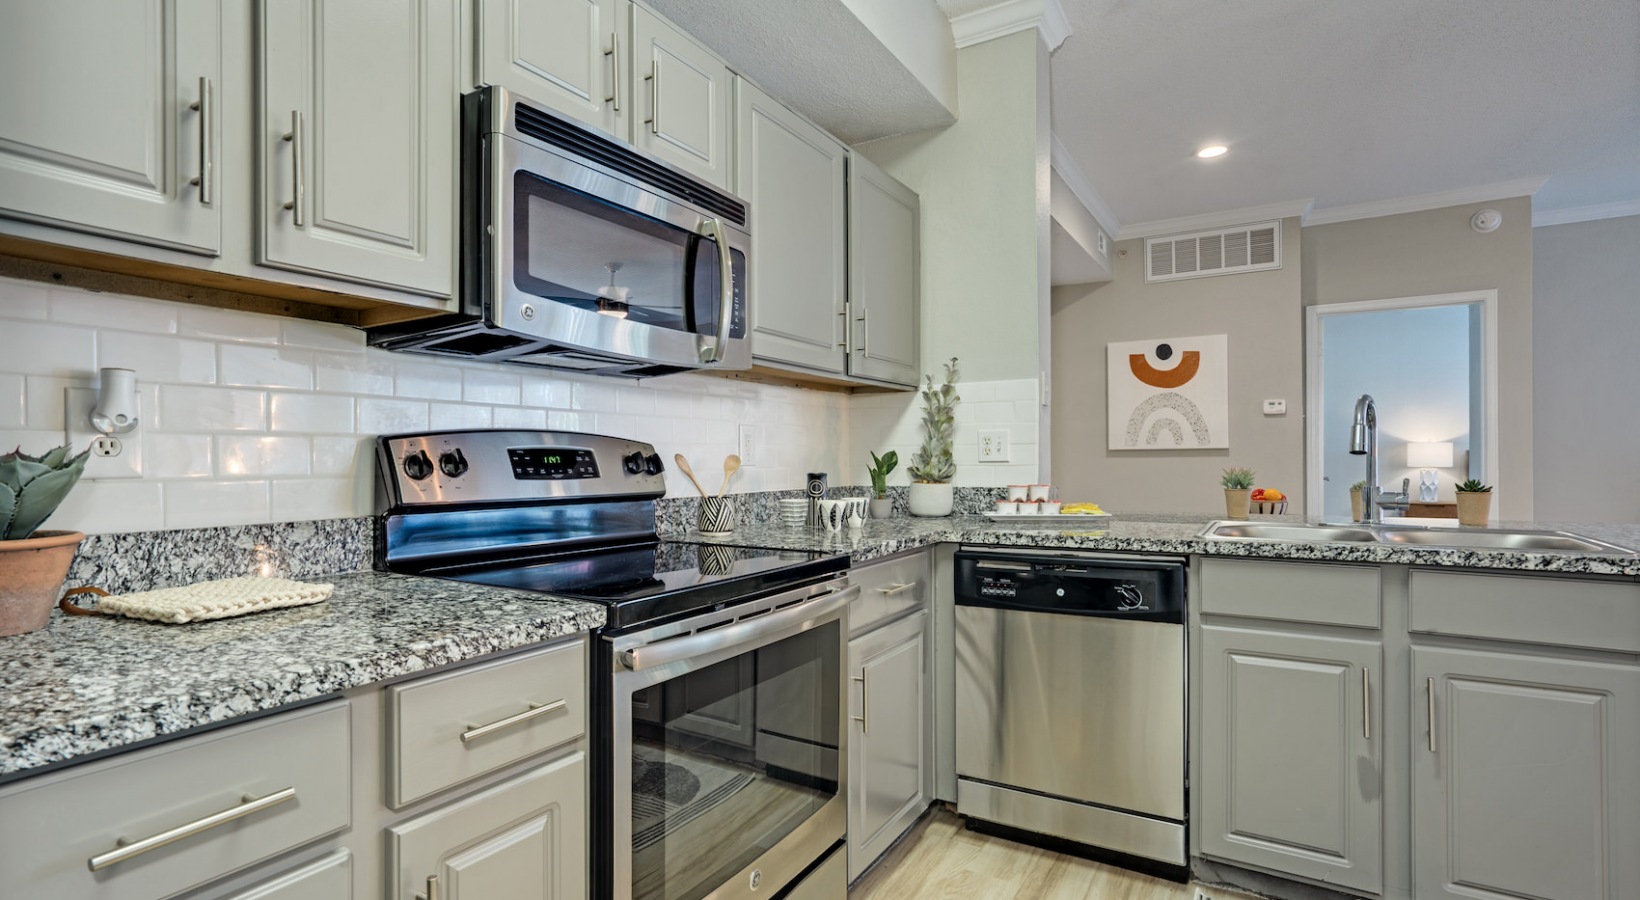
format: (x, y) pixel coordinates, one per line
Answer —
(1071, 699)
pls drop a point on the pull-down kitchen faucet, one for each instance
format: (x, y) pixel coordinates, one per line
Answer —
(1364, 440)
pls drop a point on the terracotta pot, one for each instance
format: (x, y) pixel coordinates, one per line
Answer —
(1474, 507)
(1355, 506)
(882, 509)
(1236, 502)
(31, 578)
(932, 499)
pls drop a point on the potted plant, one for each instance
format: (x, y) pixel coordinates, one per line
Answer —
(1238, 489)
(34, 563)
(1355, 500)
(933, 468)
(1474, 503)
(881, 506)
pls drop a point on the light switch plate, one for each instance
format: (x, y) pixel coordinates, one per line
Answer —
(1275, 407)
(993, 446)
(78, 434)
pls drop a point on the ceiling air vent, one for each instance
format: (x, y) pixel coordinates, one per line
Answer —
(1245, 248)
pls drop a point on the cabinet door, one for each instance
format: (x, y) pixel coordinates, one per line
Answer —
(684, 99)
(1292, 756)
(331, 878)
(357, 150)
(98, 130)
(889, 776)
(524, 839)
(795, 178)
(564, 53)
(1533, 786)
(884, 298)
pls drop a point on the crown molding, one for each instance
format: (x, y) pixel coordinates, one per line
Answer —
(1584, 213)
(1485, 193)
(1009, 17)
(1210, 221)
(1078, 182)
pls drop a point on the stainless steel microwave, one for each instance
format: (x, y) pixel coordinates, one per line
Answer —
(579, 252)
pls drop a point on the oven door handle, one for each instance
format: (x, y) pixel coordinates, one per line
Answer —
(702, 643)
(713, 229)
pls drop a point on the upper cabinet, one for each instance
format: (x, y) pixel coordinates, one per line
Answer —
(884, 294)
(565, 53)
(357, 150)
(684, 96)
(795, 178)
(109, 124)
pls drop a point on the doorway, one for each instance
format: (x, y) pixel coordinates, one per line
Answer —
(1430, 364)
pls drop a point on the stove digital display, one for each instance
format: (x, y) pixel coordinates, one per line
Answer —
(553, 463)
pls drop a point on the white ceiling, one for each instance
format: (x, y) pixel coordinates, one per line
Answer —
(1347, 103)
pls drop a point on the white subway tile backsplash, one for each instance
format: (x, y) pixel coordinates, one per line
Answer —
(559, 420)
(617, 425)
(1018, 389)
(546, 392)
(109, 506)
(487, 386)
(228, 325)
(428, 381)
(209, 410)
(202, 504)
(593, 397)
(353, 373)
(522, 418)
(311, 413)
(455, 416)
(37, 348)
(635, 401)
(377, 416)
(320, 335)
(277, 367)
(311, 498)
(11, 401)
(158, 358)
(339, 456)
(23, 300)
(45, 400)
(240, 455)
(112, 311)
(176, 455)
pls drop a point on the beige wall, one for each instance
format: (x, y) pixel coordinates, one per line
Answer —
(1586, 410)
(1262, 314)
(1436, 252)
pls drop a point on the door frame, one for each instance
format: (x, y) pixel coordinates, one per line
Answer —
(1313, 382)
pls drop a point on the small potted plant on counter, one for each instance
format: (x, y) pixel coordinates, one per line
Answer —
(1356, 508)
(1474, 503)
(1238, 489)
(881, 506)
(34, 563)
(933, 468)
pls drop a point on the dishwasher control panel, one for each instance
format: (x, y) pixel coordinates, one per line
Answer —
(1123, 588)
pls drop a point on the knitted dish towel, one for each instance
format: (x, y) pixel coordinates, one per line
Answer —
(214, 599)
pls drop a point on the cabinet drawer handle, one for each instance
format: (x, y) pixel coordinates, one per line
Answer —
(897, 588)
(128, 849)
(432, 889)
(654, 79)
(294, 136)
(203, 106)
(864, 710)
(1429, 691)
(614, 54)
(474, 732)
(844, 315)
(1366, 703)
(864, 314)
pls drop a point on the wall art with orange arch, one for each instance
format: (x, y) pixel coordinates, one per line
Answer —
(1169, 393)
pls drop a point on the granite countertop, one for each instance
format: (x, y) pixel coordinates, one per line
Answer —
(84, 685)
(1179, 534)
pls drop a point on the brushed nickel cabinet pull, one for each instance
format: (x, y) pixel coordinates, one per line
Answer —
(865, 315)
(845, 316)
(898, 588)
(203, 107)
(1429, 691)
(129, 849)
(614, 55)
(864, 711)
(474, 732)
(432, 889)
(294, 136)
(654, 79)
(1366, 703)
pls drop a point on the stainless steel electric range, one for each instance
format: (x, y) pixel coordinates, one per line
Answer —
(717, 686)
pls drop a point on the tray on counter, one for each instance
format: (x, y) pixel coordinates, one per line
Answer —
(1056, 518)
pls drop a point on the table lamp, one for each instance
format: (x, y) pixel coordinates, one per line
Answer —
(1428, 456)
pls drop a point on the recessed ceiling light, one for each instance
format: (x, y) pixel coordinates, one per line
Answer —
(1210, 152)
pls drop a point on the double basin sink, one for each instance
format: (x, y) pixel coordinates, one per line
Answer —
(1525, 541)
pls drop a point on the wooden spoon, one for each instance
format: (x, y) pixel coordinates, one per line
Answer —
(683, 466)
(731, 465)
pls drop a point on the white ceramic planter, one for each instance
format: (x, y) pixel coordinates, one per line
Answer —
(931, 500)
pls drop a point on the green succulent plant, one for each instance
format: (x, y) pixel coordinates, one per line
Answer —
(933, 463)
(1237, 479)
(1473, 486)
(879, 469)
(1359, 485)
(31, 487)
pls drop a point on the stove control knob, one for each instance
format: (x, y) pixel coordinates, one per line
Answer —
(652, 464)
(453, 463)
(417, 465)
(633, 463)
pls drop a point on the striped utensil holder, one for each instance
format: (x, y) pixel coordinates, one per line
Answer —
(717, 516)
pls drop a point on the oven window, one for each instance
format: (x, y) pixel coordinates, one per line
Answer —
(576, 249)
(729, 759)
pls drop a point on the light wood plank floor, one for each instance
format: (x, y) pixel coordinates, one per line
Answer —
(942, 859)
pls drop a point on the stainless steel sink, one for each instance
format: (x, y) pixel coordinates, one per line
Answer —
(1551, 541)
(1277, 531)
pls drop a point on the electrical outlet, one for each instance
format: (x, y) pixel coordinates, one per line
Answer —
(112, 456)
(993, 446)
(748, 445)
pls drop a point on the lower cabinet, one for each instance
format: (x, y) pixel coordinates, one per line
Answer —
(1522, 778)
(1292, 754)
(888, 775)
(331, 878)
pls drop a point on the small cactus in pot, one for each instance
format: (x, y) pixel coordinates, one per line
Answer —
(1474, 502)
(33, 563)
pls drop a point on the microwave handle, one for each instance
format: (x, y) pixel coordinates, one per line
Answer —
(713, 228)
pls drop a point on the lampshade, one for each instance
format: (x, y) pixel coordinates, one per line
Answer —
(1429, 454)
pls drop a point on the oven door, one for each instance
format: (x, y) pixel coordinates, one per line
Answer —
(596, 263)
(729, 749)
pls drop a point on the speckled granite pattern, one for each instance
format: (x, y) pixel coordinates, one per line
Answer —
(1175, 535)
(678, 514)
(144, 560)
(84, 685)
